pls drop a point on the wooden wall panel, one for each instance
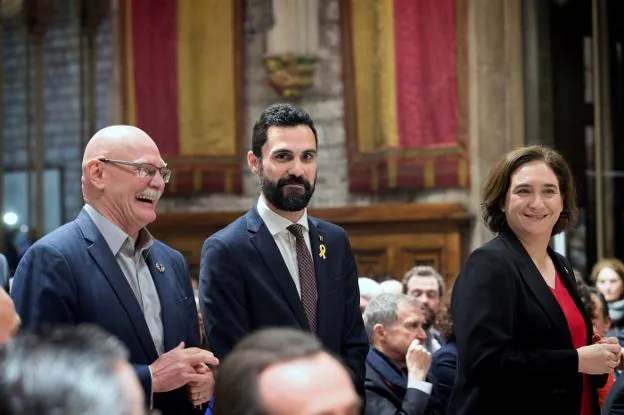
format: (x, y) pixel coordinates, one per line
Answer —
(386, 239)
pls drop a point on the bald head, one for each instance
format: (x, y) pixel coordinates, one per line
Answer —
(110, 142)
(122, 176)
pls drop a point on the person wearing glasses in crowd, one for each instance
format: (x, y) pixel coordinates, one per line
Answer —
(105, 268)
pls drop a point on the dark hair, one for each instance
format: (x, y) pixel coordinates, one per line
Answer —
(584, 291)
(499, 180)
(424, 271)
(236, 386)
(444, 318)
(604, 306)
(278, 115)
(68, 370)
(613, 263)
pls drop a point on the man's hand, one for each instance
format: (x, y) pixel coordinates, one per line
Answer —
(201, 392)
(177, 367)
(417, 360)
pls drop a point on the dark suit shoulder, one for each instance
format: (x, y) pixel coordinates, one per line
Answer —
(167, 250)
(495, 248)
(59, 237)
(327, 227)
(232, 231)
(486, 260)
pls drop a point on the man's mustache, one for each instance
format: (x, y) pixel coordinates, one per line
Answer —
(294, 180)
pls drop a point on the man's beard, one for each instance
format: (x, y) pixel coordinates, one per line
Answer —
(430, 318)
(293, 202)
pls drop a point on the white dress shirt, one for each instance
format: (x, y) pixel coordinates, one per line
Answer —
(284, 239)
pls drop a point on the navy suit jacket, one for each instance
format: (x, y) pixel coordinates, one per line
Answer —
(245, 285)
(444, 368)
(71, 277)
(387, 392)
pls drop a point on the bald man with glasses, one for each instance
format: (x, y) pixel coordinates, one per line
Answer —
(105, 268)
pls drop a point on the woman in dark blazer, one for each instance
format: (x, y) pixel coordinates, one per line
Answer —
(523, 336)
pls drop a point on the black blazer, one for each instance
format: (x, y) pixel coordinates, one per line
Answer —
(245, 285)
(515, 350)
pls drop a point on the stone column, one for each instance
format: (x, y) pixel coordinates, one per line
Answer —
(495, 78)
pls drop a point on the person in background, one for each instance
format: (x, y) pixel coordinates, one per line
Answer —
(608, 276)
(369, 288)
(391, 286)
(426, 284)
(444, 360)
(397, 364)
(283, 371)
(71, 370)
(597, 308)
(524, 337)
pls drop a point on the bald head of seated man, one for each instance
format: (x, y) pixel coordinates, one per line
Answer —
(283, 371)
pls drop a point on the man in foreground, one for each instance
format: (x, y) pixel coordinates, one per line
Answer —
(105, 268)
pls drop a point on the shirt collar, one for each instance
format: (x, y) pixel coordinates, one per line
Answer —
(276, 223)
(114, 236)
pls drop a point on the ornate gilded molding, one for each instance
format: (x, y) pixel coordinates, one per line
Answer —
(289, 74)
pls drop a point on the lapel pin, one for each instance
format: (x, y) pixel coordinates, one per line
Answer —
(320, 237)
(322, 250)
(160, 267)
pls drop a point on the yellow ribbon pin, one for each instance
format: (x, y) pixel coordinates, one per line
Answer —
(322, 250)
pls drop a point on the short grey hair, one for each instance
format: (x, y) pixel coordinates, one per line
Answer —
(424, 271)
(69, 370)
(383, 310)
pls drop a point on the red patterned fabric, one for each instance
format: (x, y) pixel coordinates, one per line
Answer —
(426, 73)
(154, 47)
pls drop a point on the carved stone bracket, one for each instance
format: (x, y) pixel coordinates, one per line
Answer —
(289, 74)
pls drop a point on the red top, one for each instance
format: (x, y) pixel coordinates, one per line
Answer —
(578, 332)
(604, 391)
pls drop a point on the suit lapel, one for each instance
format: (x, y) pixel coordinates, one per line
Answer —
(105, 260)
(163, 276)
(263, 241)
(317, 238)
(534, 280)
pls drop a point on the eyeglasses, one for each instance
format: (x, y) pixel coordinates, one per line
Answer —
(143, 169)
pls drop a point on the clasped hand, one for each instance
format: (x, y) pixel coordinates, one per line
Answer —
(601, 357)
(180, 367)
